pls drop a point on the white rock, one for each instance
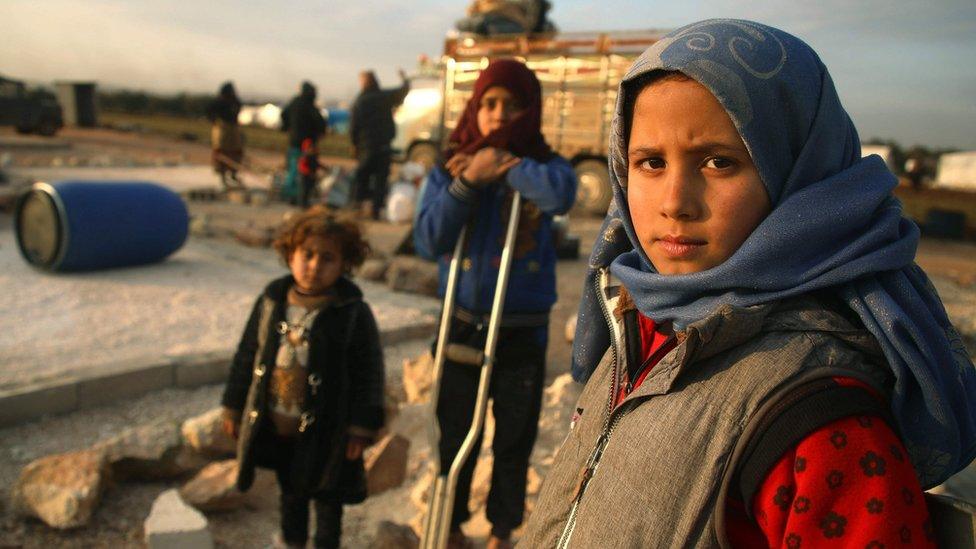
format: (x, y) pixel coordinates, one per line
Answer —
(172, 524)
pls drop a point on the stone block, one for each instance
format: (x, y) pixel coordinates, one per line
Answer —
(412, 275)
(172, 524)
(374, 269)
(386, 464)
(205, 434)
(390, 535)
(62, 490)
(150, 452)
(417, 378)
(214, 488)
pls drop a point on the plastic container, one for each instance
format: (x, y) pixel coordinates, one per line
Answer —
(91, 225)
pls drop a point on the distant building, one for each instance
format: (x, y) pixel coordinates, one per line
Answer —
(78, 103)
(957, 171)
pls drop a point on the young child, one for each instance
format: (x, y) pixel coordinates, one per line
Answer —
(497, 148)
(305, 393)
(780, 374)
(308, 170)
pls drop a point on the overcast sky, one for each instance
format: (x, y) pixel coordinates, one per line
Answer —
(905, 69)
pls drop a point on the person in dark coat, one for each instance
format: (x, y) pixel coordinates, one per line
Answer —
(227, 142)
(371, 129)
(305, 392)
(302, 120)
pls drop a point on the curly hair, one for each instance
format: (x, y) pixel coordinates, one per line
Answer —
(320, 221)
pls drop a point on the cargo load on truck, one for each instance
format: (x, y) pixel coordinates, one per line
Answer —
(579, 72)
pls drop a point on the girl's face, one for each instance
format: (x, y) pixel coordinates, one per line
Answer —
(693, 191)
(498, 106)
(316, 264)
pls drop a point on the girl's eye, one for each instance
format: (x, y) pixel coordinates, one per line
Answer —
(653, 163)
(719, 163)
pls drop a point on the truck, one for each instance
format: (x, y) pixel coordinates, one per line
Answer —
(34, 111)
(579, 73)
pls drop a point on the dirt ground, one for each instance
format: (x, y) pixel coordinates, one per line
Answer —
(118, 522)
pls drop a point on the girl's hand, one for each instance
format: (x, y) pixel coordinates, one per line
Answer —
(231, 422)
(489, 164)
(355, 447)
(457, 164)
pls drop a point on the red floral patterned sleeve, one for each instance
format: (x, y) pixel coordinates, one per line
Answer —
(848, 484)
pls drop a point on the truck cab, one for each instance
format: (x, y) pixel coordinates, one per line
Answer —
(33, 111)
(579, 73)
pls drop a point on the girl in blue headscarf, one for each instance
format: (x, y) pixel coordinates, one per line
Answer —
(766, 364)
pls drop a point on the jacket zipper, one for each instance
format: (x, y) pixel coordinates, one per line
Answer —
(609, 423)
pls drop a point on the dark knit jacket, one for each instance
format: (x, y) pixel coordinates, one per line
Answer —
(302, 120)
(371, 125)
(345, 355)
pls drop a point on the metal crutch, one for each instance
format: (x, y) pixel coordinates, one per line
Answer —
(441, 503)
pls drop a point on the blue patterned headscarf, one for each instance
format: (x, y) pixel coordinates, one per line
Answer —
(834, 223)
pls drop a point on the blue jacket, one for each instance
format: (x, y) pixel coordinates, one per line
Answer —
(446, 205)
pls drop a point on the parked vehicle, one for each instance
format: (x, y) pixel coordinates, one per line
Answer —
(34, 111)
(579, 73)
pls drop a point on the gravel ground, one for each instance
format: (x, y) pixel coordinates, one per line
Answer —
(118, 520)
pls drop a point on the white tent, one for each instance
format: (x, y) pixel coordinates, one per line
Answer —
(957, 171)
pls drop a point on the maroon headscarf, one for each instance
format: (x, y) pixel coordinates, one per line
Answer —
(522, 136)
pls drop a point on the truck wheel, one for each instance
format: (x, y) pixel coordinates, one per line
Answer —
(47, 128)
(593, 194)
(423, 153)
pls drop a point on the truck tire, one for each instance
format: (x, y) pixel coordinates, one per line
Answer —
(593, 195)
(47, 128)
(424, 153)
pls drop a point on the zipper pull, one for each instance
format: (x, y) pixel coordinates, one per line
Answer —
(307, 419)
(585, 475)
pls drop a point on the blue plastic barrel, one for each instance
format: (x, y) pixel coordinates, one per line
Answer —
(90, 225)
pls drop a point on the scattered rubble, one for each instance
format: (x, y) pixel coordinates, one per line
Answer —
(390, 535)
(374, 269)
(205, 434)
(386, 464)
(412, 275)
(150, 452)
(172, 524)
(62, 490)
(214, 488)
(417, 378)
(257, 237)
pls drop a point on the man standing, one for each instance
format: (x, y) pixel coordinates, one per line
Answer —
(371, 129)
(302, 120)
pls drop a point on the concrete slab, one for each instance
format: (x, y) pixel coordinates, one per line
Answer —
(111, 387)
(202, 369)
(172, 524)
(39, 400)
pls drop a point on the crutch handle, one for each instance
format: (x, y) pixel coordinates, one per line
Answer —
(455, 352)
